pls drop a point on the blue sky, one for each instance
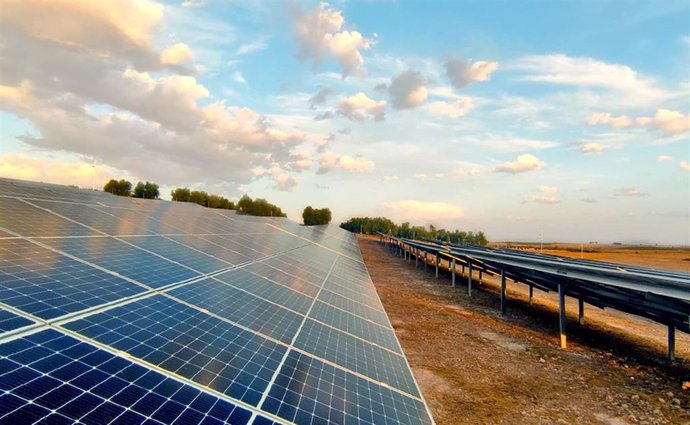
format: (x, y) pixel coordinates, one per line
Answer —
(562, 120)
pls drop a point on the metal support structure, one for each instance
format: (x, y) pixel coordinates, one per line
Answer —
(580, 311)
(452, 271)
(469, 279)
(416, 257)
(671, 342)
(561, 316)
(438, 259)
(426, 260)
(503, 293)
(480, 276)
(531, 294)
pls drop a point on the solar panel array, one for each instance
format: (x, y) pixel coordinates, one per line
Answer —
(118, 310)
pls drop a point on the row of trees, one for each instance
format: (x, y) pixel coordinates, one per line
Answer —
(316, 216)
(371, 225)
(258, 207)
(123, 187)
(183, 194)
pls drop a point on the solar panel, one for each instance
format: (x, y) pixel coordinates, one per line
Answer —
(118, 310)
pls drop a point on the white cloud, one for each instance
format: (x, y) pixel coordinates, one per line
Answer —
(670, 122)
(629, 191)
(250, 47)
(454, 109)
(301, 160)
(238, 78)
(320, 97)
(360, 106)
(586, 72)
(462, 73)
(465, 168)
(355, 164)
(541, 199)
(282, 179)
(621, 121)
(684, 165)
(407, 90)
(547, 189)
(665, 158)
(591, 148)
(411, 210)
(319, 33)
(522, 164)
(176, 54)
(391, 178)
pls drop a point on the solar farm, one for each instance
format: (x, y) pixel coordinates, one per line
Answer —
(116, 310)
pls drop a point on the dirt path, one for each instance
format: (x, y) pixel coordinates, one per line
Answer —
(475, 367)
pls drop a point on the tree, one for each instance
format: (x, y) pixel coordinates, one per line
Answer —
(316, 216)
(199, 197)
(181, 194)
(119, 188)
(146, 190)
(259, 207)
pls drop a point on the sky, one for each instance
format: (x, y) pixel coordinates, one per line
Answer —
(552, 120)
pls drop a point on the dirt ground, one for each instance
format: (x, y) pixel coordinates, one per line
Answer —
(476, 367)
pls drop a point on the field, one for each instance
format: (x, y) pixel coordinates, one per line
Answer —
(475, 366)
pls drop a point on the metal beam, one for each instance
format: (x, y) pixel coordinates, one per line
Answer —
(671, 342)
(503, 293)
(437, 262)
(531, 294)
(469, 279)
(580, 311)
(452, 271)
(426, 260)
(416, 257)
(561, 315)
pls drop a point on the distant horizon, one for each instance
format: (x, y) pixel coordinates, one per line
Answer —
(525, 120)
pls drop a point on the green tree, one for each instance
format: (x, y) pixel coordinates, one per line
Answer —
(146, 190)
(259, 207)
(119, 188)
(316, 216)
(181, 194)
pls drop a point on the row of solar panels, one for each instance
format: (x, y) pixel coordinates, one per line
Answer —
(133, 311)
(659, 295)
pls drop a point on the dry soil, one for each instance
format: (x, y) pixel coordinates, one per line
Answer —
(476, 367)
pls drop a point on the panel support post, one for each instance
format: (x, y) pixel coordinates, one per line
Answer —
(503, 293)
(416, 257)
(469, 279)
(452, 271)
(580, 311)
(426, 259)
(438, 259)
(561, 316)
(531, 294)
(480, 276)
(671, 342)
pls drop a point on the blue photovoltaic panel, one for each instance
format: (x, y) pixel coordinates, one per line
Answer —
(224, 252)
(94, 218)
(267, 289)
(309, 391)
(354, 307)
(356, 355)
(51, 378)
(241, 307)
(293, 282)
(365, 329)
(124, 259)
(10, 321)
(189, 343)
(179, 253)
(47, 284)
(27, 220)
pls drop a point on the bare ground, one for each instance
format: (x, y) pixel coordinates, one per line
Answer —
(476, 367)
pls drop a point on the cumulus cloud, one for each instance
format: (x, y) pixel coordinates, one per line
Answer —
(670, 122)
(283, 181)
(665, 158)
(522, 164)
(462, 72)
(120, 110)
(326, 115)
(391, 178)
(465, 168)
(319, 33)
(621, 121)
(173, 55)
(301, 160)
(360, 106)
(591, 148)
(412, 210)
(684, 165)
(320, 97)
(453, 109)
(355, 164)
(407, 90)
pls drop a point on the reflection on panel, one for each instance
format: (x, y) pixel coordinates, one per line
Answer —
(177, 252)
(27, 220)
